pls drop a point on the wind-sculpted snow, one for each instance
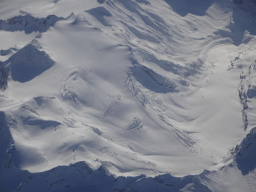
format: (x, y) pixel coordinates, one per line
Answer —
(184, 7)
(28, 23)
(150, 20)
(168, 65)
(153, 81)
(243, 21)
(99, 13)
(127, 95)
(141, 34)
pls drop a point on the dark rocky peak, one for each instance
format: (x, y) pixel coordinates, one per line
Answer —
(28, 23)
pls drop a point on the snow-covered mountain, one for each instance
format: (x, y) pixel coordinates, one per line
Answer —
(127, 95)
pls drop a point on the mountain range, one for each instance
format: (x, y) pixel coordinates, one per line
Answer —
(127, 95)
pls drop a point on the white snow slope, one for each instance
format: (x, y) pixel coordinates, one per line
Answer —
(127, 95)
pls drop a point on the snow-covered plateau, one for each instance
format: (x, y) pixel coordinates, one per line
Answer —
(128, 95)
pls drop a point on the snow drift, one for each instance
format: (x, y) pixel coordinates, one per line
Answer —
(127, 95)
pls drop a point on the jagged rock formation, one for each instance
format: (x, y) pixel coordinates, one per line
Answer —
(28, 23)
(25, 64)
(245, 153)
(127, 95)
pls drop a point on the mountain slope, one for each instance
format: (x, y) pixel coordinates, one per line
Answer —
(133, 87)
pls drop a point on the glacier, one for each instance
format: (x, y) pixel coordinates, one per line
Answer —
(127, 95)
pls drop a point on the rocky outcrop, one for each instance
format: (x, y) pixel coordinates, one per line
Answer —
(245, 155)
(28, 23)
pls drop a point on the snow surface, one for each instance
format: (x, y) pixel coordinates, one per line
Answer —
(127, 95)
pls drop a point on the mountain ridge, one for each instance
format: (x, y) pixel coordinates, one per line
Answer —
(132, 89)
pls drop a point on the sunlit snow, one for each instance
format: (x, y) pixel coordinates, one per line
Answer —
(144, 95)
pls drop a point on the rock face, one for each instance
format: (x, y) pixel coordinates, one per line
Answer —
(28, 23)
(24, 65)
(79, 177)
(29, 62)
(245, 153)
(127, 95)
(4, 74)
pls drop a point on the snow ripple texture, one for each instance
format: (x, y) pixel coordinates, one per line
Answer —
(127, 95)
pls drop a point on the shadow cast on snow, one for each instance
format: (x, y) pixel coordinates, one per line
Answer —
(245, 153)
(195, 7)
(27, 63)
(243, 23)
(80, 177)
